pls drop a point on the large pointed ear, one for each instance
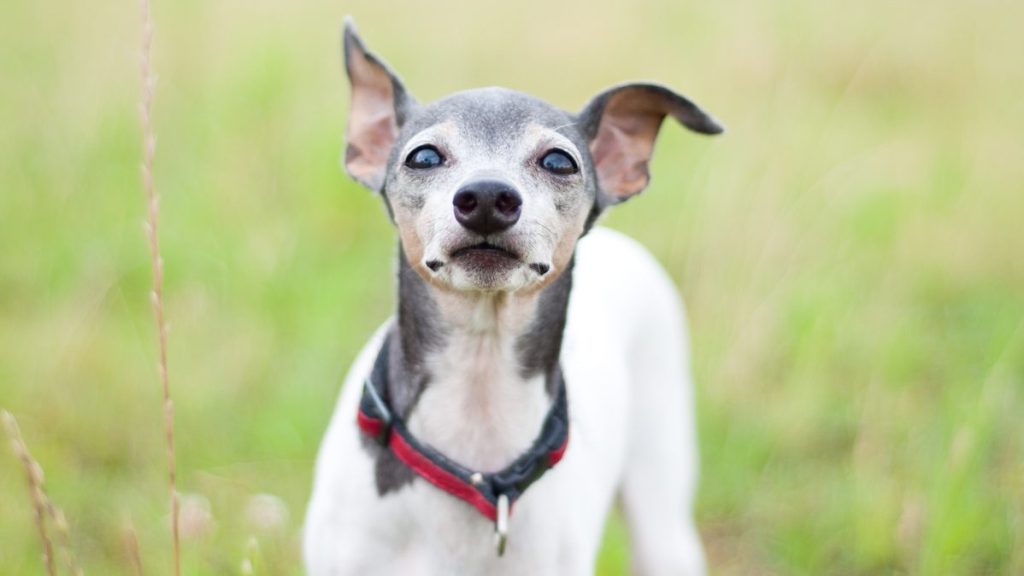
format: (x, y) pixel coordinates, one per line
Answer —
(379, 106)
(621, 124)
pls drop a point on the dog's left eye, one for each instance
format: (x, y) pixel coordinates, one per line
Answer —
(559, 162)
(424, 157)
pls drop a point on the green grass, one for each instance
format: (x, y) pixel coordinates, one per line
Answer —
(851, 255)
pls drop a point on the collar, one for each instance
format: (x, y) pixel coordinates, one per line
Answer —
(493, 494)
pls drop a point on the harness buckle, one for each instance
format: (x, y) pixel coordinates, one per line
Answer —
(501, 525)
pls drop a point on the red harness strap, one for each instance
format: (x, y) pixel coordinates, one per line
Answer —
(440, 477)
(482, 491)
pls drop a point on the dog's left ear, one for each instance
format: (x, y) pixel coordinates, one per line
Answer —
(621, 124)
(379, 106)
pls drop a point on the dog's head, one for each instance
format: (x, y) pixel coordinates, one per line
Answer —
(490, 189)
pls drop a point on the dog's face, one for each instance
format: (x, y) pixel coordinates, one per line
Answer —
(490, 189)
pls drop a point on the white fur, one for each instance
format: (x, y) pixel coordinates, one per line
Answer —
(632, 435)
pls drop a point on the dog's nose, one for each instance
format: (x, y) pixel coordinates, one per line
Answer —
(487, 206)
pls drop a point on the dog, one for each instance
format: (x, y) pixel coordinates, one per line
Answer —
(536, 370)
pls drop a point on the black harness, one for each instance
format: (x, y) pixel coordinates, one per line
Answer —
(492, 493)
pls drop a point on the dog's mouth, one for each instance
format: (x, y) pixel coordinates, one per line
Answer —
(485, 250)
(488, 258)
(485, 256)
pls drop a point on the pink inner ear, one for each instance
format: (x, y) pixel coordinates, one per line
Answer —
(372, 126)
(625, 141)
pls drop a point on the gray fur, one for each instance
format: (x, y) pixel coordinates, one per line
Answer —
(539, 348)
(390, 473)
(417, 332)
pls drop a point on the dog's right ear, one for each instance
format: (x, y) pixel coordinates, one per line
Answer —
(379, 106)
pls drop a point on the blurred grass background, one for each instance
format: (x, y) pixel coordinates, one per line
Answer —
(851, 254)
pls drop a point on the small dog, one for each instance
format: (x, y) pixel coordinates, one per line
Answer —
(525, 337)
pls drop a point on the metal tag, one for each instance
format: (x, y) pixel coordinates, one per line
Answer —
(501, 525)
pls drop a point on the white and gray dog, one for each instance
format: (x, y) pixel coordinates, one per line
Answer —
(524, 337)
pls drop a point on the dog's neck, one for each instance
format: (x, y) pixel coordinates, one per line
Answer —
(473, 373)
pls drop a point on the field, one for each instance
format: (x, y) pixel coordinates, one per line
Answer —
(850, 252)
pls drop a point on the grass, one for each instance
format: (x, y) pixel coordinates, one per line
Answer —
(36, 491)
(152, 228)
(850, 253)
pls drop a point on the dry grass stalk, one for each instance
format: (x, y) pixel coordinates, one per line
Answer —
(60, 522)
(34, 475)
(153, 236)
(131, 544)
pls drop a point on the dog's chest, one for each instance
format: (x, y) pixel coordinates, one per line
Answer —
(477, 409)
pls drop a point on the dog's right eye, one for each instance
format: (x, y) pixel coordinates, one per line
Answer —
(424, 157)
